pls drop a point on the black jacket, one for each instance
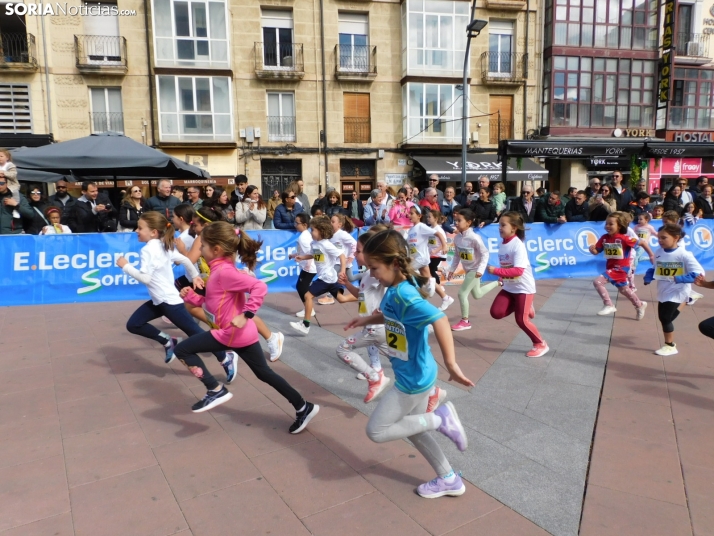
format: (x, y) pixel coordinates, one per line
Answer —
(129, 216)
(636, 210)
(707, 211)
(81, 219)
(623, 198)
(331, 210)
(55, 202)
(37, 222)
(485, 211)
(165, 205)
(462, 199)
(360, 208)
(673, 203)
(575, 212)
(517, 205)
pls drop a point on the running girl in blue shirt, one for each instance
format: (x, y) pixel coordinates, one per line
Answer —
(405, 313)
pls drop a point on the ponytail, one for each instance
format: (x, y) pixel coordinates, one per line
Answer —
(232, 241)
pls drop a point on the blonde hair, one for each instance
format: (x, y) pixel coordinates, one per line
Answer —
(388, 247)
(6, 153)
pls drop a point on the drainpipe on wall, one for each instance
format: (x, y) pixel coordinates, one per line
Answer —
(47, 75)
(525, 73)
(148, 71)
(324, 86)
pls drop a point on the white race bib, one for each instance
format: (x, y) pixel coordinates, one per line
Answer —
(613, 250)
(210, 318)
(466, 254)
(396, 333)
(665, 271)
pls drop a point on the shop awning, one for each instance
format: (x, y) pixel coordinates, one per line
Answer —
(572, 148)
(670, 149)
(449, 168)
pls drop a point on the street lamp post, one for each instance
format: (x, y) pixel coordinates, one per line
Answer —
(472, 30)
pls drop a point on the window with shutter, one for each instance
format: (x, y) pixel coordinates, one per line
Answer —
(15, 110)
(357, 118)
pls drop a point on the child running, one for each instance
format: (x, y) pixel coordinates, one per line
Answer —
(343, 240)
(307, 268)
(518, 282)
(432, 218)
(157, 257)
(675, 269)
(618, 248)
(230, 317)
(473, 255)
(405, 314)
(326, 255)
(370, 293)
(418, 239)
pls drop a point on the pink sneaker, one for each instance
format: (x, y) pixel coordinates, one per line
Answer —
(461, 325)
(376, 388)
(436, 399)
(538, 350)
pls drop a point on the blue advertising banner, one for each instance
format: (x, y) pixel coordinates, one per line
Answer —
(82, 268)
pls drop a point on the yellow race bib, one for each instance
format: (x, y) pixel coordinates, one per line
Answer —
(362, 307)
(613, 250)
(318, 255)
(665, 271)
(466, 254)
(396, 333)
(412, 250)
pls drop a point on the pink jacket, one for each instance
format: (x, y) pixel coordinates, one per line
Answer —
(399, 214)
(225, 299)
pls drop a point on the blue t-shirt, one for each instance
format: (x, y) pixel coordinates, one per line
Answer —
(406, 316)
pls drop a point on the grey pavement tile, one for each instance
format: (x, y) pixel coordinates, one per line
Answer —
(579, 369)
(510, 386)
(493, 420)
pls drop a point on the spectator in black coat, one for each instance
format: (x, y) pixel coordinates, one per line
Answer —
(673, 200)
(38, 203)
(463, 198)
(483, 208)
(525, 205)
(355, 208)
(706, 203)
(286, 211)
(163, 201)
(62, 199)
(698, 190)
(641, 206)
(622, 194)
(334, 205)
(132, 207)
(577, 208)
(241, 185)
(93, 212)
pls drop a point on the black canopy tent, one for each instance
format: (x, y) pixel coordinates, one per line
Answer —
(449, 167)
(108, 155)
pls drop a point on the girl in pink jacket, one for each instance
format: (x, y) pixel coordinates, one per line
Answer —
(230, 317)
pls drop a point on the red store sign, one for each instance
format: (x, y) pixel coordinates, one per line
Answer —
(689, 168)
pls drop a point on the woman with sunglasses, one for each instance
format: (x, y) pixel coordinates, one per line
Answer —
(286, 211)
(132, 207)
(38, 203)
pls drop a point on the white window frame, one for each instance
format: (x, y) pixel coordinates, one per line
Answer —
(212, 61)
(14, 103)
(278, 20)
(177, 115)
(502, 28)
(441, 127)
(281, 136)
(353, 24)
(106, 112)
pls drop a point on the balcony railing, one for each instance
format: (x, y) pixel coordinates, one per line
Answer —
(355, 62)
(100, 53)
(499, 129)
(502, 67)
(18, 52)
(279, 60)
(281, 128)
(107, 122)
(357, 130)
(694, 46)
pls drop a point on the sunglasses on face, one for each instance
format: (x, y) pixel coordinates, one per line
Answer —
(3, 183)
(433, 180)
(35, 193)
(294, 196)
(61, 187)
(136, 191)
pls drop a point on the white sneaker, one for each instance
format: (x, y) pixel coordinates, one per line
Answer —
(299, 326)
(693, 297)
(667, 350)
(641, 310)
(448, 300)
(275, 345)
(301, 314)
(607, 310)
(431, 287)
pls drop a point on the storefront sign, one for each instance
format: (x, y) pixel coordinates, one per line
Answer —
(665, 65)
(633, 133)
(570, 148)
(689, 168)
(395, 179)
(198, 160)
(694, 137)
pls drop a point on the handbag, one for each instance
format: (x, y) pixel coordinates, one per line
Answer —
(121, 229)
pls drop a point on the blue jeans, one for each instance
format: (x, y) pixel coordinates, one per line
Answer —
(138, 323)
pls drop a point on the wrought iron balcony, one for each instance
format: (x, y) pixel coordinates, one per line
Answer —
(692, 48)
(279, 60)
(107, 122)
(503, 68)
(104, 54)
(357, 130)
(18, 52)
(356, 62)
(499, 129)
(281, 128)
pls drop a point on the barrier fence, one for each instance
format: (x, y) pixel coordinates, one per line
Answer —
(82, 267)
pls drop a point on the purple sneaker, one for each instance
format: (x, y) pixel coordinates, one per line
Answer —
(439, 487)
(451, 426)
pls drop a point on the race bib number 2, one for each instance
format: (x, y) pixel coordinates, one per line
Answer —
(396, 339)
(665, 271)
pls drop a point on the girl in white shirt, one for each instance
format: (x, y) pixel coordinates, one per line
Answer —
(343, 239)
(473, 255)
(433, 219)
(307, 267)
(54, 216)
(157, 258)
(370, 293)
(418, 240)
(518, 282)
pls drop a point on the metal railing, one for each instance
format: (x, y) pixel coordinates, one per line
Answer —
(18, 48)
(693, 45)
(281, 128)
(499, 129)
(356, 59)
(279, 57)
(357, 130)
(96, 51)
(502, 67)
(107, 122)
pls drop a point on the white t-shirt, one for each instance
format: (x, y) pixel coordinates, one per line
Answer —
(157, 274)
(418, 240)
(187, 239)
(304, 247)
(434, 244)
(514, 255)
(345, 242)
(50, 229)
(326, 255)
(371, 293)
(470, 251)
(671, 263)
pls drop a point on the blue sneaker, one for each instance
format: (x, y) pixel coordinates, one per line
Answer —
(230, 365)
(211, 400)
(170, 349)
(451, 426)
(440, 487)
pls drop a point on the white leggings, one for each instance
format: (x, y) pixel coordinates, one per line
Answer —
(374, 339)
(399, 416)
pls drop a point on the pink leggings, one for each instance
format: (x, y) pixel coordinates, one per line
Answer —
(627, 291)
(507, 303)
